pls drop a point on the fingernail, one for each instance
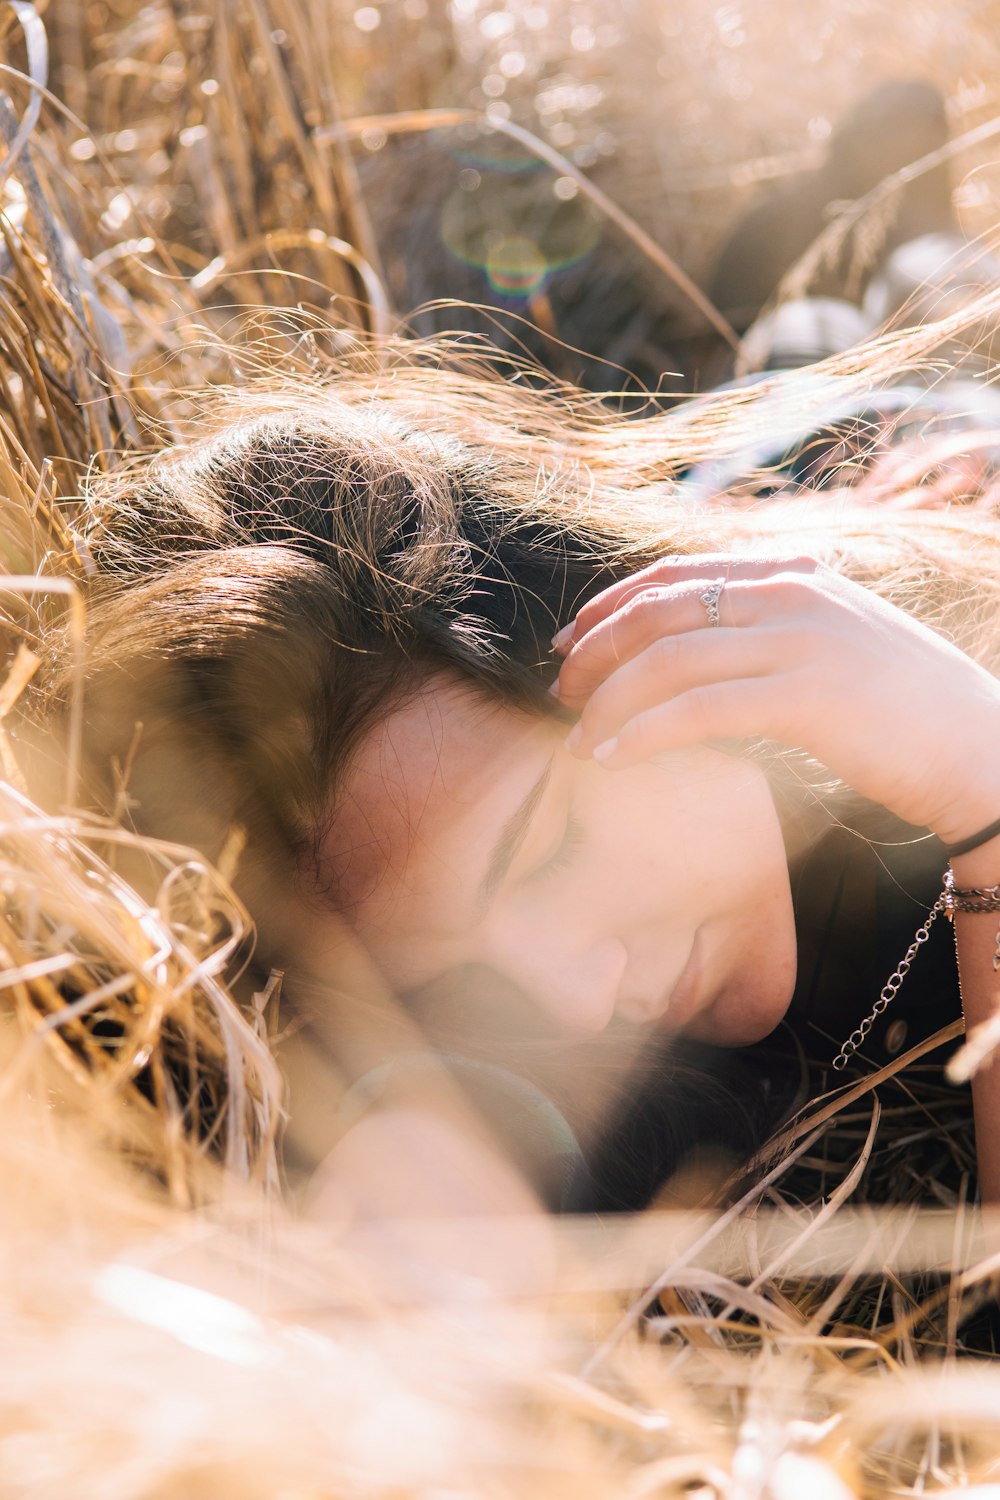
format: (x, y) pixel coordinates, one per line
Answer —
(574, 737)
(562, 638)
(606, 749)
(554, 689)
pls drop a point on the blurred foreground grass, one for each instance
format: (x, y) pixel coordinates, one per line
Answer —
(184, 197)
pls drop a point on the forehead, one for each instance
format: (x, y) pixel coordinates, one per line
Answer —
(423, 792)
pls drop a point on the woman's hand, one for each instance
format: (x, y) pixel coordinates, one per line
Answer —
(802, 656)
(947, 470)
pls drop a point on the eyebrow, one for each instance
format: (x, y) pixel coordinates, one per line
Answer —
(511, 838)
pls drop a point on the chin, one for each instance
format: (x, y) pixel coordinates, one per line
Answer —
(745, 1012)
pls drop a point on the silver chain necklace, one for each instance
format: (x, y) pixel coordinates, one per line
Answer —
(891, 986)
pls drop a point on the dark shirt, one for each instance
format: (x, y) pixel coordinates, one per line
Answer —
(859, 898)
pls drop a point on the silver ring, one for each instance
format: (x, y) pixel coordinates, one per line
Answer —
(710, 599)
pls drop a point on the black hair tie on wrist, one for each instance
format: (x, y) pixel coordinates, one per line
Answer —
(973, 841)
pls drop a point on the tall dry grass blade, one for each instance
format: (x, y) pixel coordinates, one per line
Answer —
(312, 162)
(843, 1098)
(85, 389)
(311, 28)
(37, 44)
(752, 1195)
(67, 589)
(798, 278)
(223, 267)
(68, 915)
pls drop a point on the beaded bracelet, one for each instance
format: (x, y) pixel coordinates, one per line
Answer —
(972, 898)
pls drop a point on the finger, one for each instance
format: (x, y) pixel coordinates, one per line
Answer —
(958, 484)
(948, 468)
(670, 610)
(675, 570)
(658, 613)
(965, 484)
(989, 500)
(918, 497)
(744, 709)
(670, 667)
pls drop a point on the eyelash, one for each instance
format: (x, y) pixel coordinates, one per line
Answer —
(572, 841)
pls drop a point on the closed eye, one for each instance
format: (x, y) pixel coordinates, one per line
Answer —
(569, 846)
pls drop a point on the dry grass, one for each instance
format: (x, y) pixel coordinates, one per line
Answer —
(191, 164)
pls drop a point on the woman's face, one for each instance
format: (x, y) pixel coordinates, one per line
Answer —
(467, 834)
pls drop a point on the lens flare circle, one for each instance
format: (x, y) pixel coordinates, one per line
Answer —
(517, 230)
(516, 265)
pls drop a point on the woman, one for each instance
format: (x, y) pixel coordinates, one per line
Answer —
(480, 692)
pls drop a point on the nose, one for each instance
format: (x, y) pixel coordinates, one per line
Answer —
(578, 989)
